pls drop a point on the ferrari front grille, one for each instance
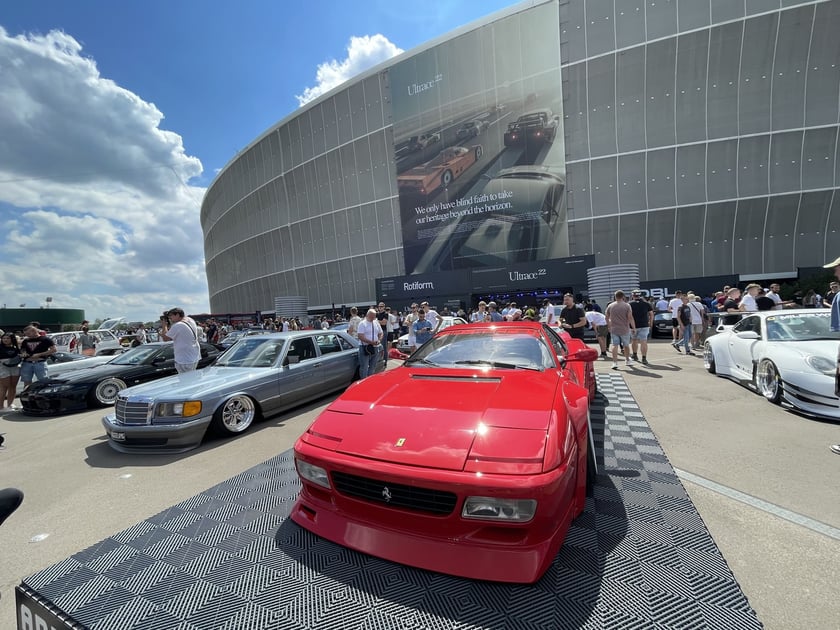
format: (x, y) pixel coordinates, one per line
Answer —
(131, 412)
(395, 495)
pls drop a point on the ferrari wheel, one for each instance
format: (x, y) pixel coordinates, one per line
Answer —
(709, 358)
(235, 416)
(106, 392)
(768, 381)
(446, 178)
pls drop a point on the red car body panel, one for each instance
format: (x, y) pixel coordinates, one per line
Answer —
(451, 433)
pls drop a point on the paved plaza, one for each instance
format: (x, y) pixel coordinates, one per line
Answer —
(762, 479)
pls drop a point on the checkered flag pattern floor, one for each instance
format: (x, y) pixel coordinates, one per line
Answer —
(639, 557)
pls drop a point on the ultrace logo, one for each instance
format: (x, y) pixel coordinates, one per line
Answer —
(518, 276)
(415, 88)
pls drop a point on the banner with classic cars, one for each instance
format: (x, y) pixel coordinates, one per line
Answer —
(478, 140)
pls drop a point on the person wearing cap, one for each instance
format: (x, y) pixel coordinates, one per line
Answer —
(835, 319)
(182, 331)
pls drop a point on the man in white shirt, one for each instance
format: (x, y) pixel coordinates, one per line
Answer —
(747, 303)
(549, 317)
(662, 305)
(183, 333)
(370, 343)
(598, 322)
(431, 315)
(773, 294)
(674, 306)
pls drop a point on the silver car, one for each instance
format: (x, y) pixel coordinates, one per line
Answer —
(257, 377)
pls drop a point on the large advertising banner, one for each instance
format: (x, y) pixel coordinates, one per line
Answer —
(478, 136)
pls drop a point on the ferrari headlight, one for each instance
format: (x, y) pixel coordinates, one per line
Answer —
(185, 409)
(493, 509)
(821, 364)
(315, 474)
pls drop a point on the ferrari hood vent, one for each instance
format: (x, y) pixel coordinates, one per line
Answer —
(456, 379)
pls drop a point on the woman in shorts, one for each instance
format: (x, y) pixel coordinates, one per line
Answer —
(9, 370)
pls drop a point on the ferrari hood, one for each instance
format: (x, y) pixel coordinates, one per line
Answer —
(431, 418)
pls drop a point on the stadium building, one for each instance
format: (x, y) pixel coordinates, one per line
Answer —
(694, 139)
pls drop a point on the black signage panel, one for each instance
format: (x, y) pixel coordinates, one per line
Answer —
(558, 272)
(699, 286)
(424, 285)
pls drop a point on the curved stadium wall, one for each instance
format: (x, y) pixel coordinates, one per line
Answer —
(696, 138)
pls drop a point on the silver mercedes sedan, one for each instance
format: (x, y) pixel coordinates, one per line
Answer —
(257, 377)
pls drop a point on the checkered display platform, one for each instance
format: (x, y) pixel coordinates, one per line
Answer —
(228, 559)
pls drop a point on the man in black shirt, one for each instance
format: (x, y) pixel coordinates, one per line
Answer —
(34, 349)
(731, 306)
(572, 317)
(643, 318)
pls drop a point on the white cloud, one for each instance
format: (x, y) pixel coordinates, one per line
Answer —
(362, 53)
(95, 196)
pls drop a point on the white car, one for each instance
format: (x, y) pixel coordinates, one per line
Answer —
(788, 356)
(448, 320)
(107, 342)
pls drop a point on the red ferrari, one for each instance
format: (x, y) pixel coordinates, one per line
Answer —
(471, 459)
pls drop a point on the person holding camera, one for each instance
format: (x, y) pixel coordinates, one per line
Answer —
(370, 343)
(182, 331)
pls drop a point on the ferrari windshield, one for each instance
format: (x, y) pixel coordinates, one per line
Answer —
(800, 327)
(490, 349)
(253, 351)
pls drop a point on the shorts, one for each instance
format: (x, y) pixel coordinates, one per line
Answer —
(620, 340)
(602, 331)
(29, 370)
(697, 328)
(7, 371)
(641, 334)
(675, 323)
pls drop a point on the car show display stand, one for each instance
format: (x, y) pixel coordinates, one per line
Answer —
(229, 559)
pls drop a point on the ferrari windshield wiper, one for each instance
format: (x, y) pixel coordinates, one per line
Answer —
(423, 361)
(495, 364)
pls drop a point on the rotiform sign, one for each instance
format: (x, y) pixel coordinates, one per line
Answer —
(418, 286)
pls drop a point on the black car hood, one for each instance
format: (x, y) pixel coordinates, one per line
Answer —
(97, 373)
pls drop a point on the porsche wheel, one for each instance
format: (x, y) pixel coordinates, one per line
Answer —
(709, 358)
(446, 178)
(479, 151)
(235, 416)
(106, 391)
(768, 381)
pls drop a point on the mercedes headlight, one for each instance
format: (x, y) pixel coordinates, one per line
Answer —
(821, 364)
(493, 509)
(185, 409)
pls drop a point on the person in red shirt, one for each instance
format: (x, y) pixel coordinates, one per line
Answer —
(394, 353)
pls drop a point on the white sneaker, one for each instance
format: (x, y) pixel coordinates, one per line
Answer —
(630, 361)
(615, 365)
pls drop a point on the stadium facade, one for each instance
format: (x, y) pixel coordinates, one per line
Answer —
(697, 139)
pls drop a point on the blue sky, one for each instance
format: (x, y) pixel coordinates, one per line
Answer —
(115, 116)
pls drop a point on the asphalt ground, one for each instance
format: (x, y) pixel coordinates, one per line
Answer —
(762, 479)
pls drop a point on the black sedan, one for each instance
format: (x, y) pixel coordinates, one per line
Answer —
(98, 386)
(662, 325)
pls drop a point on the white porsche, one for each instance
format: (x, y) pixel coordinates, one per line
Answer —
(788, 356)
